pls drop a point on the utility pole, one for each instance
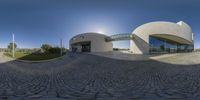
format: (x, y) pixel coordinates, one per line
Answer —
(13, 45)
(61, 47)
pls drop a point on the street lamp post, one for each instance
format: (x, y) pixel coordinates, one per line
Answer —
(61, 47)
(13, 45)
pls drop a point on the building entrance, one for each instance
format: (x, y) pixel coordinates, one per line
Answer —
(82, 47)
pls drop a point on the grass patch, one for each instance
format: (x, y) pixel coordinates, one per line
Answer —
(32, 57)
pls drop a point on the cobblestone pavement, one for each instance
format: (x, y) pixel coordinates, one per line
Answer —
(89, 77)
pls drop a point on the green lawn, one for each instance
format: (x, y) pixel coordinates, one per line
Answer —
(32, 57)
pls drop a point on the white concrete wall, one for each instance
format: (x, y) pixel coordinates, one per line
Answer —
(181, 32)
(98, 43)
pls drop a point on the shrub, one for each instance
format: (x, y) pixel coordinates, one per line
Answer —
(54, 50)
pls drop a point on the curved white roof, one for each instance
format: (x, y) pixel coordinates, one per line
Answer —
(180, 32)
(87, 37)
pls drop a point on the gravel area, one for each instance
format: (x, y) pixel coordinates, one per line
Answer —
(90, 77)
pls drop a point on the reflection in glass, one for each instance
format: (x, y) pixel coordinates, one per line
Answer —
(160, 45)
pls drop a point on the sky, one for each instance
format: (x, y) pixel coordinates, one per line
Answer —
(35, 22)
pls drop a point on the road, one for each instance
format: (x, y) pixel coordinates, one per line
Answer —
(90, 77)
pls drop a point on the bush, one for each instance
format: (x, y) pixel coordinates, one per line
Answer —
(46, 47)
(54, 50)
(115, 49)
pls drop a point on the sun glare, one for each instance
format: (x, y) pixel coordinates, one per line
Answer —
(101, 32)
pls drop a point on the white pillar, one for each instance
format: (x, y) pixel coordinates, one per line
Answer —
(13, 45)
(61, 47)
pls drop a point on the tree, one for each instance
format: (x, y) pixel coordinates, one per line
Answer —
(46, 47)
(54, 50)
(10, 46)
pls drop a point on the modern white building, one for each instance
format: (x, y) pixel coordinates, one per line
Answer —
(90, 42)
(162, 37)
(149, 38)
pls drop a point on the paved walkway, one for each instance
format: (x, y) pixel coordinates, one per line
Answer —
(90, 77)
(176, 58)
(182, 59)
(4, 59)
(129, 56)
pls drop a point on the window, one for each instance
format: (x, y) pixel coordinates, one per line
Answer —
(160, 45)
(82, 37)
(74, 38)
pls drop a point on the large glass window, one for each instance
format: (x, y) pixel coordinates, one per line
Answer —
(159, 45)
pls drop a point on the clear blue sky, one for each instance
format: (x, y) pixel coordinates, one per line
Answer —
(46, 21)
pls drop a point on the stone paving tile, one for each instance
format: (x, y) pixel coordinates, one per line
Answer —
(89, 77)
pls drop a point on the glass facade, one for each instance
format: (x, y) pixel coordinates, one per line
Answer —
(86, 47)
(81, 47)
(159, 45)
